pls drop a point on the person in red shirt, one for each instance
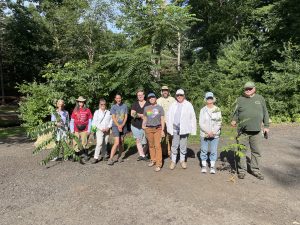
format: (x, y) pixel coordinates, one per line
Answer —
(80, 125)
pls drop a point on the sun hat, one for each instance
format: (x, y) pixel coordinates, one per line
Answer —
(180, 92)
(80, 99)
(164, 88)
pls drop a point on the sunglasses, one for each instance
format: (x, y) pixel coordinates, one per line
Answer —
(248, 89)
(209, 98)
(179, 95)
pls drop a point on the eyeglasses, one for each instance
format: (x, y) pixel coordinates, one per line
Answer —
(248, 89)
(179, 95)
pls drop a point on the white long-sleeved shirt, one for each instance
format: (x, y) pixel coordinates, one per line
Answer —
(188, 123)
(210, 120)
(104, 116)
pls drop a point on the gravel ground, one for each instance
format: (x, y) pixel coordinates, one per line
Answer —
(131, 193)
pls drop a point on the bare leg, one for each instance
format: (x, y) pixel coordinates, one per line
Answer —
(114, 147)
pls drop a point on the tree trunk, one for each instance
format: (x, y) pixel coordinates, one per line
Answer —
(179, 53)
(1, 74)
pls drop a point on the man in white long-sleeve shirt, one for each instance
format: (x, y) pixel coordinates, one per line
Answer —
(101, 124)
(181, 121)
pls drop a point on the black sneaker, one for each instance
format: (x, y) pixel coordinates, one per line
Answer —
(241, 175)
(258, 175)
(140, 158)
(145, 158)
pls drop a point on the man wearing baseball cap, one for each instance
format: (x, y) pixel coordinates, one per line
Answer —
(249, 115)
(165, 101)
(181, 121)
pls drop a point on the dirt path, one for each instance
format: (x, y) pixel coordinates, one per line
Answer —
(131, 193)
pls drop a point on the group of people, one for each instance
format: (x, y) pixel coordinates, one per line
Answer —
(161, 127)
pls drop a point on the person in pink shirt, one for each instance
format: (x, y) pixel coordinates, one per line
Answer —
(80, 125)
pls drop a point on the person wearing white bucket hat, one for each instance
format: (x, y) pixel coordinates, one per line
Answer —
(210, 120)
(181, 121)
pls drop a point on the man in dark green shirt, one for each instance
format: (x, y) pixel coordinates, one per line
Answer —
(249, 115)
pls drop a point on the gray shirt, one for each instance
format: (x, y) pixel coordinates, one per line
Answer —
(153, 114)
(177, 115)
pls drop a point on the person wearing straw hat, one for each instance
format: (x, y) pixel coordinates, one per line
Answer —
(181, 121)
(165, 101)
(210, 120)
(249, 115)
(80, 125)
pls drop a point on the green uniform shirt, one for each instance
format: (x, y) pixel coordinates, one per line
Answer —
(251, 112)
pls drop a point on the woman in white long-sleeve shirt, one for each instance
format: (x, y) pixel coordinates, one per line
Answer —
(102, 122)
(210, 120)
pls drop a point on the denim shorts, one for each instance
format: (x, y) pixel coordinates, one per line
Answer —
(139, 134)
(117, 133)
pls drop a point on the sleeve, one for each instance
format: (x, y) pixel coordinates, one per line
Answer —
(89, 125)
(72, 125)
(126, 109)
(133, 107)
(235, 114)
(53, 118)
(109, 121)
(159, 102)
(193, 120)
(162, 111)
(266, 118)
(112, 110)
(73, 115)
(90, 114)
(67, 119)
(218, 122)
(94, 121)
(202, 121)
(145, 111)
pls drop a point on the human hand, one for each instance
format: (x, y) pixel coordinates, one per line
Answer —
(233, 123)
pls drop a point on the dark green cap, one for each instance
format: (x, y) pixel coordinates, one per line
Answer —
(249, 84)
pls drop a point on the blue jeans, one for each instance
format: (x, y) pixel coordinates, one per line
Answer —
(213, 148)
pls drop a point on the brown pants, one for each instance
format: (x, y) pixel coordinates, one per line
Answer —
(166, 143)
(154, 136)
(83, 139)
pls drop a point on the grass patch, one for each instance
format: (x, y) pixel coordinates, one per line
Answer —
(11, 132)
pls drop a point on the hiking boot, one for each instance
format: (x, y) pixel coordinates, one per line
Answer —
(157, 169)
(241, 175)
(110, 162)
(212, 170)
(183, 165)
(94, 161)
(258, 175)
(172, 165)
(151, 164)
(203, 170)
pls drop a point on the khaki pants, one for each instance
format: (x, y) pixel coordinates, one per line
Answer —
(82, 136)
(154, 136)
(251, 139)
(166, 143)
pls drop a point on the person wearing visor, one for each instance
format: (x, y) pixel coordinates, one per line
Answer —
(165, 101)
(80, 125)
(181, 121)
(249, 115)
(153, 124)
(210, 120)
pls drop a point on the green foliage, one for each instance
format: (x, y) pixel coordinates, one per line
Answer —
(62, 147)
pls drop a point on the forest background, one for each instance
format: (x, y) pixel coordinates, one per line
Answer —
(52, 49)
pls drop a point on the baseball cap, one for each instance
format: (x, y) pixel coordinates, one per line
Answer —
(150, 95)
(209, 95)
(179, 92)
(249, 84)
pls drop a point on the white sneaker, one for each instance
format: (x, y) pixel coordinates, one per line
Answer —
(203, 170)
(54, 159)
(212, 170)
